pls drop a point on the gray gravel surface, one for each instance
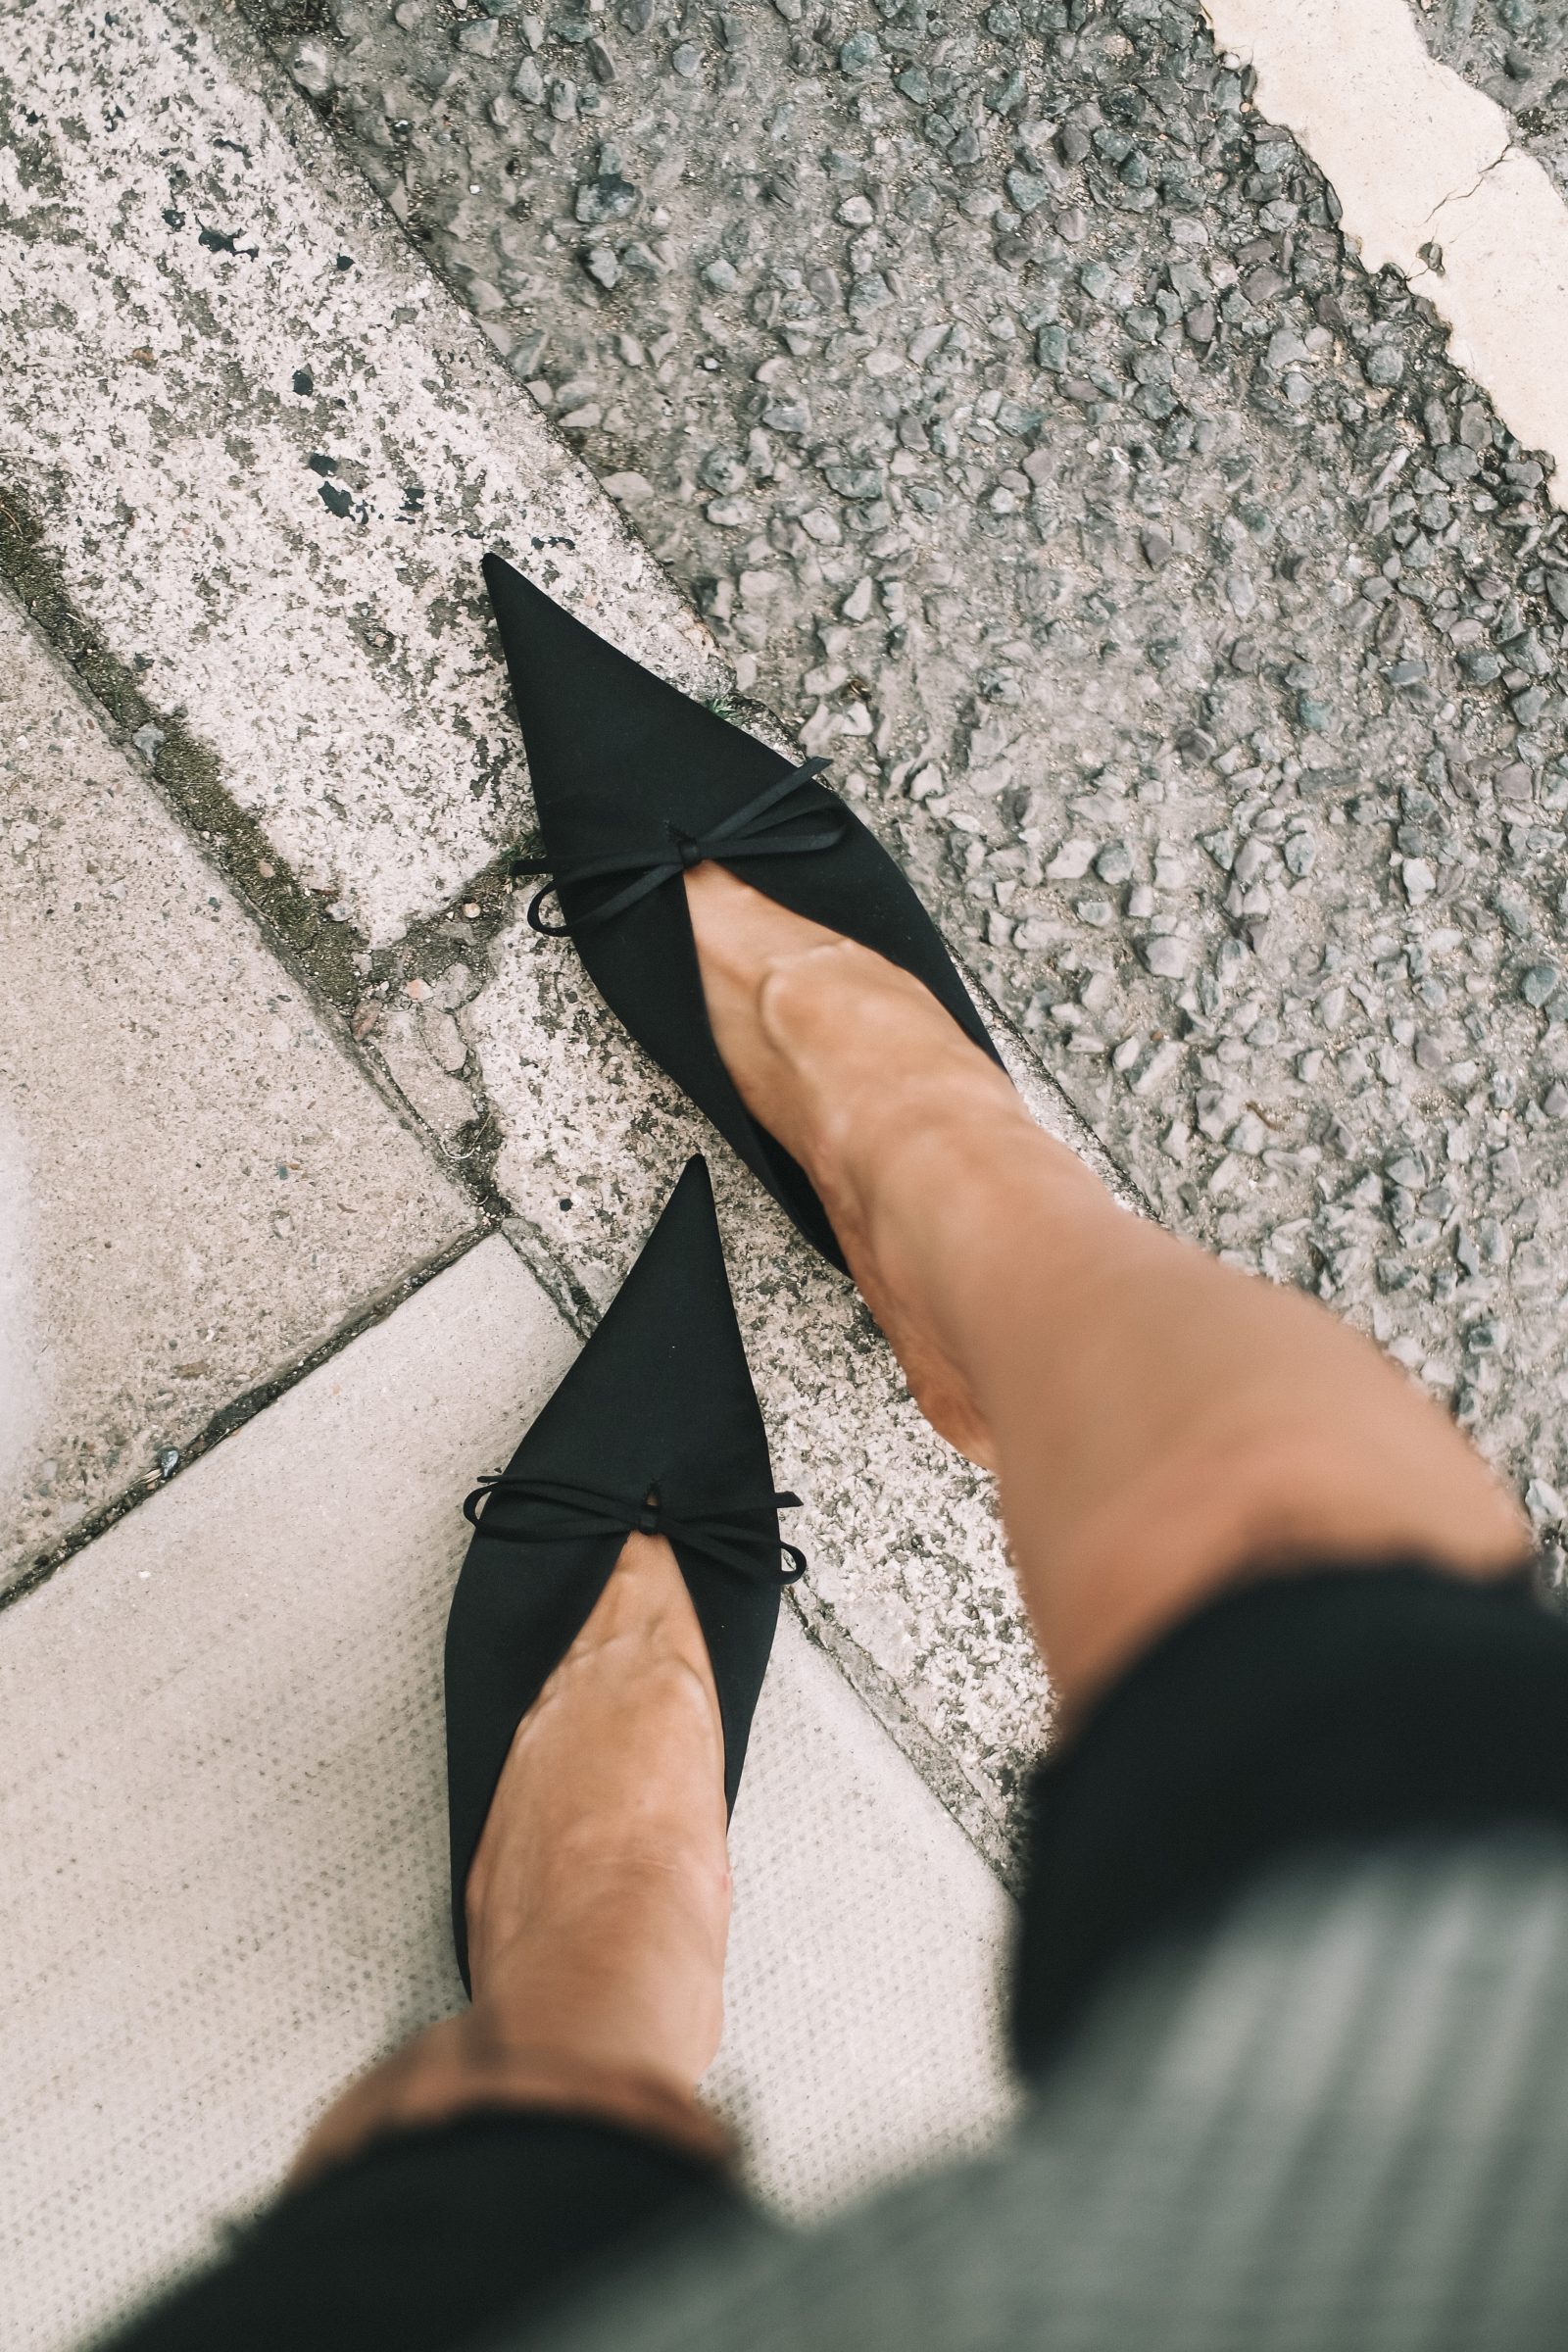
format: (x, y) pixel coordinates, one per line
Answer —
(999, 386)
(1517, 52)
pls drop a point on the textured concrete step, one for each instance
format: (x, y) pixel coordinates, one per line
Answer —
(197, 1184)
(264, 454)
(226, 1851)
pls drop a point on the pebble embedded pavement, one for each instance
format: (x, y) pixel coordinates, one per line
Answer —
(1517, 52)
(1003, 391)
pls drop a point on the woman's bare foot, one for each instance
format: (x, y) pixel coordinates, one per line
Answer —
(603, 1860)
(849, 1062)
(598, 1901)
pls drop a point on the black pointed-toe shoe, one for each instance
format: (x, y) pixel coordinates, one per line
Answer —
(655, 1428)
(633, 783)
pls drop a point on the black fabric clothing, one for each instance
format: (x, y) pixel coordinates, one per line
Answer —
(1332, 1713)
(1301, 1710)
(1332, 2117)
(429, 2236)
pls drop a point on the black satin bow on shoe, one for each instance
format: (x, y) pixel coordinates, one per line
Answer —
(634, 783)
(755, 831)
(727, 1535)
(656, 1429)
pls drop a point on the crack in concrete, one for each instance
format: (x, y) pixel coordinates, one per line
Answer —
(185, 770)
(1393, 117)
(1463, 195)
(233, 1415)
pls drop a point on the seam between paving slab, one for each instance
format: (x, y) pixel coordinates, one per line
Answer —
(237, 1412)
(186, 776)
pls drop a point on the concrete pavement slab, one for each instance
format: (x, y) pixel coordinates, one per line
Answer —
(223, 1823)
(197, 1184)
(866, 1972)
(260, 452)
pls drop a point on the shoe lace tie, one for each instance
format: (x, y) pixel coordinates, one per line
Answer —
(755, 830)
(730, 1534)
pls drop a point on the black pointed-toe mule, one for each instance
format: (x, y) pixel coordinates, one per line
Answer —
(633, 783)
(655, 1428)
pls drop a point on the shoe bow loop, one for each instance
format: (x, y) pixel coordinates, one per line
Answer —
(729, 1535)
(755, 830)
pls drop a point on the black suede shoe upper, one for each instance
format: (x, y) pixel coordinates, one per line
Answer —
(631, 773)
(655, 1426)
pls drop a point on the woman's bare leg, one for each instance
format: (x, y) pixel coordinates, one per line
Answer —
(598, 1901)
(1160, 1422)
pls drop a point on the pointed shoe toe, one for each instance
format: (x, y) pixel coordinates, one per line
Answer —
(657, 1429)
(634, 782)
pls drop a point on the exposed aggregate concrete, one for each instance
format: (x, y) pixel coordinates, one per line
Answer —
(1517, 52)
(1003, 391)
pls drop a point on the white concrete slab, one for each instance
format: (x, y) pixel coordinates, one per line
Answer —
(867, 1961)
(225, 1877)
(167, 285)
(197, 1183)
(1430, 180)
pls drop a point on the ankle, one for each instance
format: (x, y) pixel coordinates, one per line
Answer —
(642, 1991)
(570, 2080)
(631, 2099)
(465, 2067)
(603, 1888)
(922, 1174)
